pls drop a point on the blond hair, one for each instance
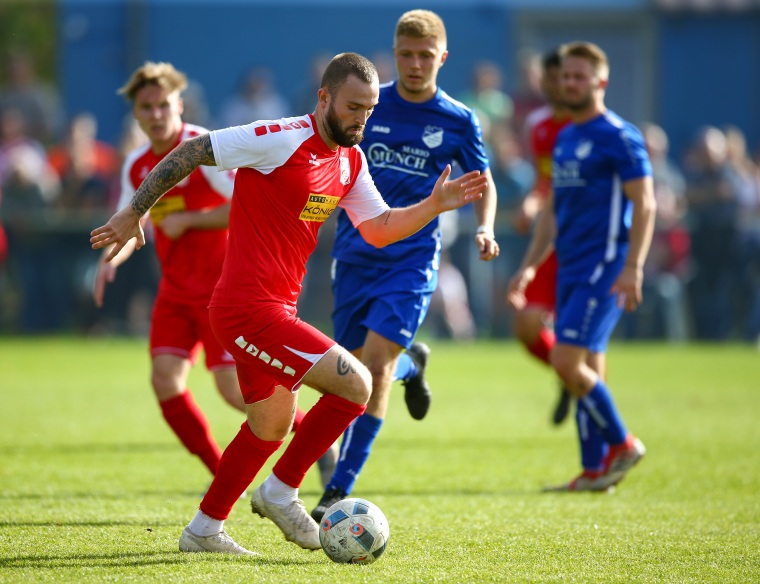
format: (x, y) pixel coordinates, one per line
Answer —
(162, 74)
(421, 24)
(591, 53)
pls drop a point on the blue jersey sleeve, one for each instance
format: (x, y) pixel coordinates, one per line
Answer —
(630, 156)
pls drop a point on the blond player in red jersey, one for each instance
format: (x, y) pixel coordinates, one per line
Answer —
(533, 320)
(292, 174)
(191, 240)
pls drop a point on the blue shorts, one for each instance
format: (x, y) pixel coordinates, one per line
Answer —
(586, 311)
(391, 302)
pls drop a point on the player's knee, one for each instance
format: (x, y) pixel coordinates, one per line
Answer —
(526, 326)
(565, 367)
(364, 385)
(164, 386)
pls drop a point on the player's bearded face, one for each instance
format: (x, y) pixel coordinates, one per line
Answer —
(578, 83)
(346, 135)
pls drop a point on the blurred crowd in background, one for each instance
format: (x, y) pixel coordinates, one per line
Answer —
(58, 181)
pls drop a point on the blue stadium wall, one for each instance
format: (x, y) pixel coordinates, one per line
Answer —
(682, 70)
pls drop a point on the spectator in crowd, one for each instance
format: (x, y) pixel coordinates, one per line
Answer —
(88, 171)
(513, 177)
(30, 189)
(713, 195)
(528, 95)
(667, 266)
(748, 174)
(487, 97)
(256, 99)
(81, 148)
(38, 103)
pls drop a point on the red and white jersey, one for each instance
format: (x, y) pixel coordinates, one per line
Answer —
(288, 183)
(191, 264)
(543, 128)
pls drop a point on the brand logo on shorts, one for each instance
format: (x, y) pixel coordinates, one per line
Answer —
(318, 208)
(253, 350)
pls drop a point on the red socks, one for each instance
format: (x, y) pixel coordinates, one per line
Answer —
(543, 345)
(240, 463)
(320, 428)
(190, 425)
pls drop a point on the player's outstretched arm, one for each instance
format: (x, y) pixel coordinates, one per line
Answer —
(447, 195)
(125, 224)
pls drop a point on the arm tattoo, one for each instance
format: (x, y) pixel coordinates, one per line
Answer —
(345, 366)
(179, 163)
(388, 217)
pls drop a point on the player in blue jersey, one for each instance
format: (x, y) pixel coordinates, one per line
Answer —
(382, 295)
(600, 217)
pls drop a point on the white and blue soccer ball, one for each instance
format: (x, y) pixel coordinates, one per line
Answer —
(354, 531)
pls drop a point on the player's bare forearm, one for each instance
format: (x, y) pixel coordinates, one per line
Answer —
(396, 224)
(485, 208)
(641, 194)
(179, 163)
(543, 237)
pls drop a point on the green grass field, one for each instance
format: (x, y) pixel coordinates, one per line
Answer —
(94, 487)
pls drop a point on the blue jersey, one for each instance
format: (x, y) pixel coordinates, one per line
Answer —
(407, 146)
(590, 163)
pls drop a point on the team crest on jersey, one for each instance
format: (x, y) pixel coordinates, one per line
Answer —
(432, 136)
(345, 171)
(583, 149)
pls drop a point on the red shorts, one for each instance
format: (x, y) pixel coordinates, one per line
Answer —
(182, 330)
(270, 344)
(542, 291)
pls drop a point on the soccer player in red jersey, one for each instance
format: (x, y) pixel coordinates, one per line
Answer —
(533, 320)
(191, 241)
(292, 174)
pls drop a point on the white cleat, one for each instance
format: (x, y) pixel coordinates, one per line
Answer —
(292, 519)
(219, 543)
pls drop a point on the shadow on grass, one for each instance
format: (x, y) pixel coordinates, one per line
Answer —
(122, 560)
(109, 523)
(87, 448)
(102, 496)
(442, 492)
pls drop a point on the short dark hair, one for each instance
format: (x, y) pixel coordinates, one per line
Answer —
(342, 66)
(551, 59)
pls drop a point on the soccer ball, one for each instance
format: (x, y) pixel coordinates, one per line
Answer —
(354, 531)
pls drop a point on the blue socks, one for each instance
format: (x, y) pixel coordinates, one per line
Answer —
(354, 451)
(593, 446)
(405, 367)
(600, 407)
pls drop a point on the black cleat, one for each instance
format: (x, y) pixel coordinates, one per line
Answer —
(563, 406)
(329, 499)
(417, 393)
